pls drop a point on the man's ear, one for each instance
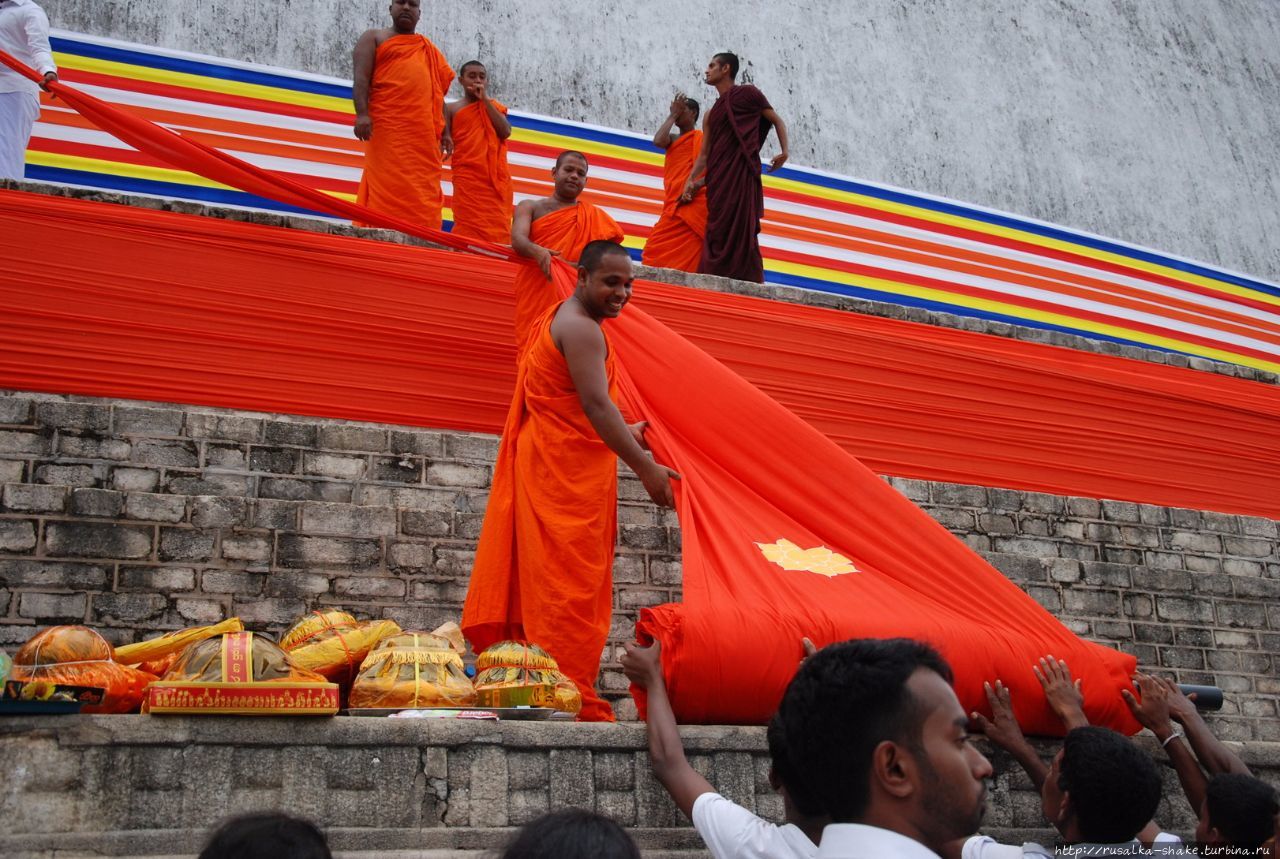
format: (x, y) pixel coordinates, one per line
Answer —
(774, 781)
(1064, 810)
(893, 769)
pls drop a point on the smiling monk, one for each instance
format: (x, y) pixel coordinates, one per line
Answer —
(544, 564)
(560, 225)
(399, 87)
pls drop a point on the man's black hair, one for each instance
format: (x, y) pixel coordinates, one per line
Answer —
(726, 58)
(568, 152)
(572, 834)
(462, 70)
(693, 106)
(1114, 785)
(1242, 808)
(596, 251)
(266, 836)
(783, 768)
(843, 702)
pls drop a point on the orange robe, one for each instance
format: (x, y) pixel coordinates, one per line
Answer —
(544, 564)
(567, 230)
(481, 180)
(403, 164)
(677, 238)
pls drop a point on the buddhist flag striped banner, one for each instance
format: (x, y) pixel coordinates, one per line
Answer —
(821, 232)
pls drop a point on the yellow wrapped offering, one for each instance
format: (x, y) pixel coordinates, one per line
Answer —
(241, 673)
(412, 670)
(520, 674)
(157, 655)
(333, 643)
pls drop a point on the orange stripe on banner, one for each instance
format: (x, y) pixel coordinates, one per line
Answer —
(159, 306)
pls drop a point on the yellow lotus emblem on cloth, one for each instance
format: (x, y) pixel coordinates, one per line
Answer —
(819, 559)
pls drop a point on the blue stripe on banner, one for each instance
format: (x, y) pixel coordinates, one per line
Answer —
(1046, 231)
(195, 67)
(944, 307)
(597, 135)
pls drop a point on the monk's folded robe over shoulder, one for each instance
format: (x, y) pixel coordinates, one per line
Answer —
(480, 175)
(736, 130)
(544, 564)
(568, 231)
(677, 239)
(403, 163)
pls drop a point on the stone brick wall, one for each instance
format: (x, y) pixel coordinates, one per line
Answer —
(137, 518)
(141, 785)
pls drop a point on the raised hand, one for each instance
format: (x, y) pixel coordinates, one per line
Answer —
(1064, 696)
(1002, 728)
(1152, 711)
(642, 665)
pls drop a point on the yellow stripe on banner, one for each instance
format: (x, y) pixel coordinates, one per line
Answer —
(201, 82)
(1058, 319)
(560, 142)
(849, 197)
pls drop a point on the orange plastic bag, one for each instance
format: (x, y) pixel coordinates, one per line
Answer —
(78, 656)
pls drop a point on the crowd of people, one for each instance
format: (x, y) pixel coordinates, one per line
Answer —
(872, 756)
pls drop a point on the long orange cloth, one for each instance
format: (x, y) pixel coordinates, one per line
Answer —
(677, 238)
(568, 231)
(544, 564)
(403, 162)
(481, 178)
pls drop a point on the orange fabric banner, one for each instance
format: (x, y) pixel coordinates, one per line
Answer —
(567, 231)
(403, 161)
(480, 176)
(544, 564)
(677, 238)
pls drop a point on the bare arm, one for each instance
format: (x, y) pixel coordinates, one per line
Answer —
(523, 245)
(781, 128)
(643, 667)
(696, 179)
(663, 138)
(1152, 712)
(362, 73)
(499, 119)
(582, 343)
(1003, 731)
(1213, 755)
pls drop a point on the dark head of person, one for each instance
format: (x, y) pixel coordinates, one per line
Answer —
(725, 58)
(782, 774)
(693, 111)
(1101, 789)
(572, 834)
(405, 15)
(604, 279)
(875, 735)
(570, 174)
(266, 836)
(1239, 811)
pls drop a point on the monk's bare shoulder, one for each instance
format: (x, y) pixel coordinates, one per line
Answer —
(573, 327)
(542, 206)
(376, 36)
(452, 107)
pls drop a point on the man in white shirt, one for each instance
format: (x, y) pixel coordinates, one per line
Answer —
(24, 35)
(878, 739)
(729, 830)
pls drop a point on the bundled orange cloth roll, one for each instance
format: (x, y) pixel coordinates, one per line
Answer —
(568, 231)
(480, 176)
(544, 564)
(78, 656)
(403, 162)
(413, 669)
(677, 238)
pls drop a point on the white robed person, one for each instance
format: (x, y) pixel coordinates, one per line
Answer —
(24, 35)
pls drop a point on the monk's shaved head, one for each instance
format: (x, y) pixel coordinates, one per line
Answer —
(571, 153)
(595, 252)
(468, 64)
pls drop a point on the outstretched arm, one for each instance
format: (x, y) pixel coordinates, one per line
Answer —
(362, 73)
(1152, 712)
(582, 343)
(1003, 731)
(643, 667)
(781, 128)
(1213, 755)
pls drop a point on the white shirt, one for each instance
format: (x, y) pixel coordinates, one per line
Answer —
(732, 832)
(856, 841)
(24, 34)
(985, 847)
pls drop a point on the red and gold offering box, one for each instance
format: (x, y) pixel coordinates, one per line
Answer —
(522, 674)
(243, 674)
(333, 643)
(78, 656)
(412, 670)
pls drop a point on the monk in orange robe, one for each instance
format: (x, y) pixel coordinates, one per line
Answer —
(544, 563)
(481, 180)
(560, 225)
(677, 238)
(399, 87)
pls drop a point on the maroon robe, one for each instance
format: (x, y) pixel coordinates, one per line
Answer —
(736, 129)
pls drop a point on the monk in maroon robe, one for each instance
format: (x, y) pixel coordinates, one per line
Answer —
(734, 130)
